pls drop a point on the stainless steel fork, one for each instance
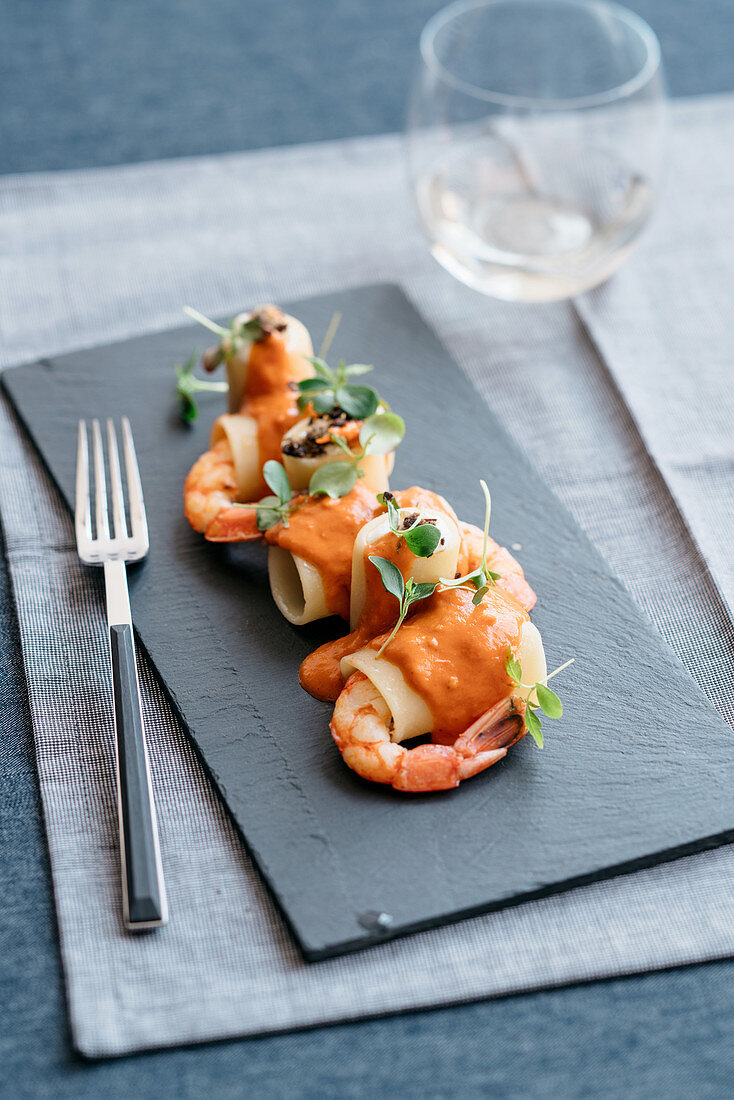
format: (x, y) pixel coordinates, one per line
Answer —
(143, 889)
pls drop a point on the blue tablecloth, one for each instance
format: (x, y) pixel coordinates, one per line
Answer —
(139, 81)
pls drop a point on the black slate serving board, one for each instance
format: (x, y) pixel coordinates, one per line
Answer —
(640, 768)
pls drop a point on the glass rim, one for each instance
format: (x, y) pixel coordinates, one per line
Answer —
(644, 31)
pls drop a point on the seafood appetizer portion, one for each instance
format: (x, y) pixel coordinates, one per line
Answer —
(267, 353)
(426, 681)
(286, 405)
(465, 667)
(440, 646)
(413, 518)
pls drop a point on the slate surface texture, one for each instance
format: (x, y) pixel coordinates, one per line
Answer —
(638, 770)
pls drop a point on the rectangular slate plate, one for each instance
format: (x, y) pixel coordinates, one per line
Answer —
(639, 769)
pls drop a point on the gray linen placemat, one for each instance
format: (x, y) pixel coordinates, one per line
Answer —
(91, 256)
(671, 315)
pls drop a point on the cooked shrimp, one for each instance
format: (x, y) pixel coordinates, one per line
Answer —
(361, 725)
(210, 493)
(210, 486)
(499, 560)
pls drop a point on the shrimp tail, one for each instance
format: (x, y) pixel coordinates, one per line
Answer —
(360, 729)
(234, 524)
(498, 729)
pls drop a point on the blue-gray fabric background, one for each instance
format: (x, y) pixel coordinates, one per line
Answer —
(84, 83)
(87, 83)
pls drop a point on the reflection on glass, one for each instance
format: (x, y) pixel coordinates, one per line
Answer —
(535, 137)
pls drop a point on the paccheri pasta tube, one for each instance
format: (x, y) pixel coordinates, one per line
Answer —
(307, 446)
(290, 333)
(372, 609)
(376, 537)
(447, 663)
(262, 402)
(310, 560)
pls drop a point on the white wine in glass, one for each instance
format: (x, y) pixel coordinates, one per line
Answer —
(535, 138)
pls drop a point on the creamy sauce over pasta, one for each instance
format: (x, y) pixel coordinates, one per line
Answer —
(322, 531)
(320, 673)
(453, 654)
(268, 398)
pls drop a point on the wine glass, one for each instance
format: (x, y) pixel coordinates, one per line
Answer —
(535, 138)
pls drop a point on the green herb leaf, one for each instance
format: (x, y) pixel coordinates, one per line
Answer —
(549, 701)
(479, 595)
(534, 726)
(269, 512)
(189, 411)
(423, 591)
(381, 433)
(336, 479)
(392, 578)
(187, 384)
(277, 479)
(340, 442)
(250, 330)
(357, 368)
(393, 514)
(323, 370)
(323, 402)
(422, 539)
(307, 385)
(359, 402)
(513, 669)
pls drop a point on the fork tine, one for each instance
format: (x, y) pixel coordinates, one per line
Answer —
(138, 522)
(100, 484)
(118, 500)
(82, 515)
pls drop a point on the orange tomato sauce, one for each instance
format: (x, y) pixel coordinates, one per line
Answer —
(320, 673)
(268, 397)
(322, 531)
(453, 654)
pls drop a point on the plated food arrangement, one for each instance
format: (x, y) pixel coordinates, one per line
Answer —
(439, 645)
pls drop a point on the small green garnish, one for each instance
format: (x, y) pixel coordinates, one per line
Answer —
(421, 538)
(405, 592)
(548, 701)
(232, 339)
(336, 479)
(277, 508)
(379, 434)
(329, 389)
(481, 578)
(336, 319)
(188, 384)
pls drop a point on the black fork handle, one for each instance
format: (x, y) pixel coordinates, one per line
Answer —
(144, 901)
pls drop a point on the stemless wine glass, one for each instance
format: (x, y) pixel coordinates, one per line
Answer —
(535, 134)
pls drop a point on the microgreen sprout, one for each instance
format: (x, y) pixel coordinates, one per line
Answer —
(547, 700)
(329, 389)
(233, 339)
(188, 384)
(379, 435)
(481, 578)
(276, 508)
(421, 536)
(405, 592)
(329, 335)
